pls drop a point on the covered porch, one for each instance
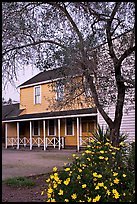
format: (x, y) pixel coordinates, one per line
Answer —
(62, 130)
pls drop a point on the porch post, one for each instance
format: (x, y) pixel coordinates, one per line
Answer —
(30, 135)
(59, 132)
(17, 135)
(44, 135)
(78, 134)
(6, 135)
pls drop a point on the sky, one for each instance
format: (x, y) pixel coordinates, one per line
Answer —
(23, 75)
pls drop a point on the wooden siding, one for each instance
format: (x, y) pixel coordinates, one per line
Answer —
(127, 125)
(48, 99)
(12, 130)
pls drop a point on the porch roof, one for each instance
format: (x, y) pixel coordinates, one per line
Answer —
(57, 114)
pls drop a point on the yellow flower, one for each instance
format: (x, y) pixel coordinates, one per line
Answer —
(97, 187)
(83, 154)
(80, 170)
(66, 182)
(88, 146)
(88, 159)
(55, 185)
(99, 176)
(106, 158)
(50, 190)
(95, 174)
(51, 176)
(78, 177)
(88, 151)
(100, 157)
(101, 151)
(56, 178)
(66, 200)
(67, 169)
(108, 192)
(115, 173)
(89, 199)
(100, 184)
(116, 180)
(113, 153)
(84, 186)
(60, 192)
(42, 193)
(105, 187)
(74, 196)
(53, 200)
(48, 180)
(97, 198)
(55, 169)
(124, 175)
(49, 195)
(116, 194)
(94, 179)
(73, 155)
(92, 140)
(59, 181)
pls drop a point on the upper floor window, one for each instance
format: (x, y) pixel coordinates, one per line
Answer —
(88, 92)
(37, 94)
(60, 91)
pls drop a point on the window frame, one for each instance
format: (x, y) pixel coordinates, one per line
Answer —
(59, 92)
(39, 86)
(66, 127)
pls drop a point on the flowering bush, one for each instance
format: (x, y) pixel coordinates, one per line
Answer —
(99, 174)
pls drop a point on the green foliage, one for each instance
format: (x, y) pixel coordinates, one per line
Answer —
(101, 134)
(19, 181)
(99, 174)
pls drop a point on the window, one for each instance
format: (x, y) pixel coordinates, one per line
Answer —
(51, 127)
(36, 128)
(88, 92)
(69, 127)
(60, 91)
(37, 95)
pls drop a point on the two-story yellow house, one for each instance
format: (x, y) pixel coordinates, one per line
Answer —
(36, 121)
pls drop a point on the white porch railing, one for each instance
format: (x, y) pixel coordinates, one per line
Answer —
(85, 140)
(53, 141)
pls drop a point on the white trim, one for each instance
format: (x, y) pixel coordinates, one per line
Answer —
(44, 135)
(45, 82)
(18, 139)
(54, 128)
(57, 99)
(59, 132)
(6, 135)
(78, 134)
(39, 83)
(46, 118)
(30, 135)
(38, 129)
(66, 128)
(34, 94)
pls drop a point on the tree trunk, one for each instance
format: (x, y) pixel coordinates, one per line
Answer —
(114, 136)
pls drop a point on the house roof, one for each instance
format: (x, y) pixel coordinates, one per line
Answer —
(51, 75)
(57, 114)
(11, 110)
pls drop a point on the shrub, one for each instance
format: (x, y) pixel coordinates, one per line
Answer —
(19, 181)
(99, 174)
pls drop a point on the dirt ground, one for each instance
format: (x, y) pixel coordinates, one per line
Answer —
(33, 164)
